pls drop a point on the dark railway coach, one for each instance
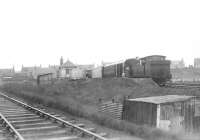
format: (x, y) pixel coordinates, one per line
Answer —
(125, 68)
(155, 67)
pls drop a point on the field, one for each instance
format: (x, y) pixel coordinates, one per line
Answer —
(80, 98)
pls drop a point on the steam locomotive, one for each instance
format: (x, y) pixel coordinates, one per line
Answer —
(155, 67)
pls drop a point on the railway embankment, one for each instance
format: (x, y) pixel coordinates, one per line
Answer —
(80, 98)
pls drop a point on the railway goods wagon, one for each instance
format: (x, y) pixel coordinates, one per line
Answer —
(113, 69)
(97, 72)
(127, 68)
(160, 71)
(77, 73)
(157, 67)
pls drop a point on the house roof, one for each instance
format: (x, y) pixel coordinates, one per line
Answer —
(45, 74)
(68, 64)
(162, 99)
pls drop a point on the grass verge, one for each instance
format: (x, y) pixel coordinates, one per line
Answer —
(36, 94)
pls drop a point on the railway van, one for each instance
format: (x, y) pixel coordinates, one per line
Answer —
(158, 68)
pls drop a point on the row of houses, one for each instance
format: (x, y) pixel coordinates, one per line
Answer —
(179, 64)
(7, 72)
(33, 72)
(65, 70)
(197, 62)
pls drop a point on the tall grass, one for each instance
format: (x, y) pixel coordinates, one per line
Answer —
(36, 94)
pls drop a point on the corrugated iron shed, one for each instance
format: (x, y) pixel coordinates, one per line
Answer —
(162, 99)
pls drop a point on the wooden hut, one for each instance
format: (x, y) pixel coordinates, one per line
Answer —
(46, 78)
(169, 112)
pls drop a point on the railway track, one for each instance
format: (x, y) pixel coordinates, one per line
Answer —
(20, 121)
(183, 85)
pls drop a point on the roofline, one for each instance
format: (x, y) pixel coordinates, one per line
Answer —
(152, 55)
(153, 102)
(45, 74)
(114, 63)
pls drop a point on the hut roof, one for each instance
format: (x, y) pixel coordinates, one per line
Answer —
(162, 99)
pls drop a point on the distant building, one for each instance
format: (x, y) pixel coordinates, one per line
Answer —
(177, 64)
(7, 72)
(61, 61)
(65, 69)
(28, 71)
(46, 78)
(86, 67)
(197, 62)
(33, 72)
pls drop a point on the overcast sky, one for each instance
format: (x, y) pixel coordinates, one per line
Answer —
(89, 31)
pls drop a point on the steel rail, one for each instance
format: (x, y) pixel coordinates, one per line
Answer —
(181, 86)
(11, 128)
(63, 122)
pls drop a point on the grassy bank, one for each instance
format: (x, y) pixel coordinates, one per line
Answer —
(36, 94)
